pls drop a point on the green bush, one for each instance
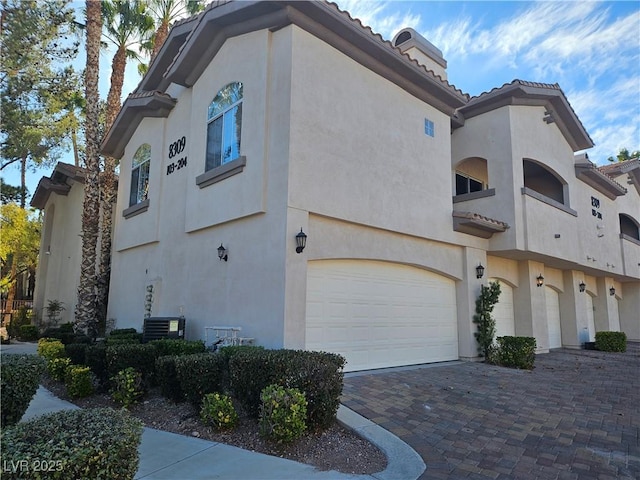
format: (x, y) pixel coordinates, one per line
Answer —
(50, 348)
(283, 412)
(28, 333)
(318, 374)
(64, 333)
(611, 341)
(178, 346)
(84, 444)
(516, 352)
(19, 380)
(142, 357)
(199, 374)
(77, 352)
(121, 341)
(57, 368)
(167, 378)
(226, 353)
(217, 410)
(122, 331)
(96, 360)
(78, 381)
(127, 387)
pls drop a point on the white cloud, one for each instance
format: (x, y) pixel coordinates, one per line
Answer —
(382, 17)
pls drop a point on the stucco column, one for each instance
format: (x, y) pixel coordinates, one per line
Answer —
(573, 309)
(606, 316)
(295, 304)
(530, 305)
(630, 310)
(467, 292)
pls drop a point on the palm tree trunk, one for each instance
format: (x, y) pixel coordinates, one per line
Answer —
(160, 36)
(85, 313)
(74, 142)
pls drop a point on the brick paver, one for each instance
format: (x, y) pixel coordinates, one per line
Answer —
(575, 416)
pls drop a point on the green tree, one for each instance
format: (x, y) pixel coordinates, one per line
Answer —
(19, 245)
(483, 319)
(164, 13)
(85, 314)
(623, 154)
(35, 37)
(10, 193)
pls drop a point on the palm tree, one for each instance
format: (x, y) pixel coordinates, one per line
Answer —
(164, 13)
(126, 23)
(85, 313)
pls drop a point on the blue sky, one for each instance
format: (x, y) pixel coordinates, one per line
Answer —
(592, 49)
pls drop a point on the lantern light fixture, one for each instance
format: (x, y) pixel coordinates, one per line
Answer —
(479, 271)
(539, 280)
(612, 291)
(301, 241)
(222, 253)
(582, 286)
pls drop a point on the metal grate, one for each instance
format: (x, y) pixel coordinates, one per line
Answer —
(162, 327)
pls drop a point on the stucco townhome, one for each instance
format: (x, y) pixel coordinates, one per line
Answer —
(259, 120)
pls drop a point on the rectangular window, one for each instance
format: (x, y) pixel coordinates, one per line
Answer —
(429, 128)
(139, 183)
(465, 184)
(223, 139)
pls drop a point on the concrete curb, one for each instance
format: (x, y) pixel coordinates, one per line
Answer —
(404, 463)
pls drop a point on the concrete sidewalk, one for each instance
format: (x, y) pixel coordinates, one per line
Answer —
(165, 455)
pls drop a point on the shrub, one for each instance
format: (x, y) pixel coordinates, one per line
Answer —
(122, 340)
(485, 303)
(611, 341)
(57, 368)
(199, 374)
(50, 348)
(282, 413)
(78, 381)
(217, 410)
(96, 360)
(226, 354)
(139, 356)
(167, 378)
(516, 352)
(18, 320)
(178, 346)
(92, 443)
(122, 331)
(19, 380)
(28, 333)
(77, 352)
(318, 374)
(127, 387)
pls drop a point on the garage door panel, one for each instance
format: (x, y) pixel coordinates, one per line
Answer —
(389, 314)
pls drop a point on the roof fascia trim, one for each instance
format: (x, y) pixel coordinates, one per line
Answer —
(598, 180)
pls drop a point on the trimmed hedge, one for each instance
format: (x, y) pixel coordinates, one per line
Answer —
(93, 443)
(28, 333)
(516, 352)
(19, 380)
(167, 378)
(199, 374)
(142, 357)
(318, 374)
(122, 331)
(50, 348)
(96, 360)
(611, 341)
(77, 352)
(78, 381)
(178, 346)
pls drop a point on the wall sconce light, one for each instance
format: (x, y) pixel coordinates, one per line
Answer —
(612, 291)
(301, 241)
(48, 252)
(222, 253)
(539, 280)
(479, 271)
(582, 286)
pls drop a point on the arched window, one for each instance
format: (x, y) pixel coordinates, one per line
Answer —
(224, 126)
(543, 180)
(140, 174)
(471, 176)
(629, 227)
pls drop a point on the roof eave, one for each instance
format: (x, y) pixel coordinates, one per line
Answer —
(134, 109)
(598, 180)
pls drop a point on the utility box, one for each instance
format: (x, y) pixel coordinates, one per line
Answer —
(162, 327)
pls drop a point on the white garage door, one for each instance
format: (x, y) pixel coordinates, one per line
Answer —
(380, 314)
(503, 311)
(553, 318)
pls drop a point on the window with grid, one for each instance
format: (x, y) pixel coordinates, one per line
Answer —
(224, 126)
(140, 175)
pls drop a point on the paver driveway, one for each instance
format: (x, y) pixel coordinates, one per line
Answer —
(575, 416)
